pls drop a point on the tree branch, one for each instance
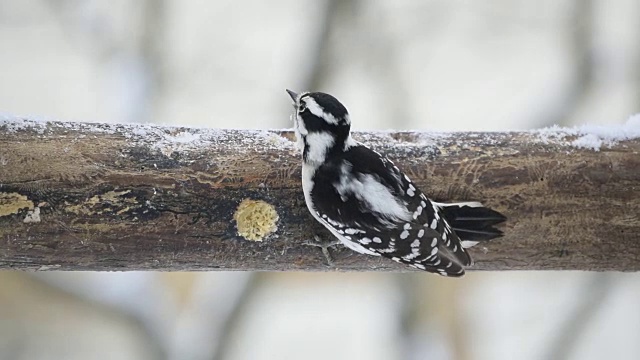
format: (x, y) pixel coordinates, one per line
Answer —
(79, 196)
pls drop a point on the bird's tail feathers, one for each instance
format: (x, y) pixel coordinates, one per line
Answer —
(472, 222)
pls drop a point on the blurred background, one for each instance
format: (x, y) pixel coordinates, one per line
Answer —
(406, 64)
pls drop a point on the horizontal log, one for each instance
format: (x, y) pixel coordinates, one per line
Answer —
(76, 196)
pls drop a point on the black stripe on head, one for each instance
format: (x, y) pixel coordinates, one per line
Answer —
(314, 123)
(330, 104)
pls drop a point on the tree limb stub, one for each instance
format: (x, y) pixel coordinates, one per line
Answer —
(77, 196)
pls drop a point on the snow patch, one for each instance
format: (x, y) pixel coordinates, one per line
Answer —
(593, 137)
(164, 138)
(172, 138)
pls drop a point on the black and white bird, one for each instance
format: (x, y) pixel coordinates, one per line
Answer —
(370, 205)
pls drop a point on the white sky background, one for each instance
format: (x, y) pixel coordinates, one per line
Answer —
(431, 65)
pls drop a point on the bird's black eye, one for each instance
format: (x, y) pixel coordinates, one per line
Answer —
(302, 107)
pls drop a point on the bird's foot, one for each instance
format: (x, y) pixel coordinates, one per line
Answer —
(324, 245)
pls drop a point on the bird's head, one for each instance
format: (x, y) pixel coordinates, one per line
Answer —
(321, 124)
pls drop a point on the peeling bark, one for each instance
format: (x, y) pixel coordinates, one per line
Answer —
(139, 197)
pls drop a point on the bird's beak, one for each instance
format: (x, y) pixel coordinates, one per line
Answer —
(293, 95)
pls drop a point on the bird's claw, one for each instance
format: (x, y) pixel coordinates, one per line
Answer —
(324, 245)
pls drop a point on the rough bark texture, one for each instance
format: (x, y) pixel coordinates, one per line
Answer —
(131, 197)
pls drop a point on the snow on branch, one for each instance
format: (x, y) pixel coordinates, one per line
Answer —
(80, 196)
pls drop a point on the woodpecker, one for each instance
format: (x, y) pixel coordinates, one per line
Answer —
(371, 206)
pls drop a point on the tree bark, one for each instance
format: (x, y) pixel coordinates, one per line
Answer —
(77, 196)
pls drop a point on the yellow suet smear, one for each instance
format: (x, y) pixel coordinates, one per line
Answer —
(255, 219)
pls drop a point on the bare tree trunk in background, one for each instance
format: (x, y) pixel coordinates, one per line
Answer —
(153, 56)
(139, 67)
(430, 326)
(338, 21)
(593, 296)
(319, 67)
(580, 50)
(637, 66)
(33, 291)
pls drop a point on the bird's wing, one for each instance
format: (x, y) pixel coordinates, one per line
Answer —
(367, 199)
